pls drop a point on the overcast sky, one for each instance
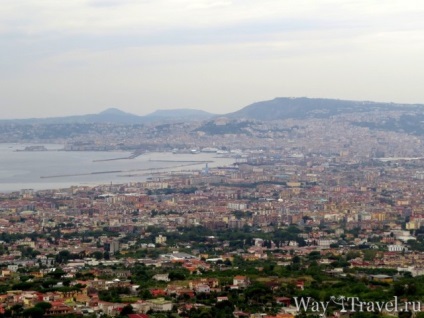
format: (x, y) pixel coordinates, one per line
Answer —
(73, 57)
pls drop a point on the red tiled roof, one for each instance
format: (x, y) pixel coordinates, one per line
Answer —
(138, 316)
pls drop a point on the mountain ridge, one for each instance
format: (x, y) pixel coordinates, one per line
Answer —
(180, 113)
(303, 107)
(268, 110)
(117, 116)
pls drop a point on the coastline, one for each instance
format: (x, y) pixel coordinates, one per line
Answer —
(42, 170)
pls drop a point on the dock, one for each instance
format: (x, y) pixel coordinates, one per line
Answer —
(132, 156)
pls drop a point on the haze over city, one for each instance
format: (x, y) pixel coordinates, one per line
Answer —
(79, 57)
(211, 159)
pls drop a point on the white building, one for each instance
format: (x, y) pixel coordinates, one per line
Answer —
(396, 248)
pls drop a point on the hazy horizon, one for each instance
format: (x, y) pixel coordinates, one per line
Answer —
(170, 109)
(82, 57)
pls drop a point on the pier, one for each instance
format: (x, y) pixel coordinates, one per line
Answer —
(182, 161)
(132, 156)
(80, 174)
(184, 164)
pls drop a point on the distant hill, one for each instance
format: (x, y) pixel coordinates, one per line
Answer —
(116, 116)
(284, 107)
(111, 115)
(278, 108)
(178, 114)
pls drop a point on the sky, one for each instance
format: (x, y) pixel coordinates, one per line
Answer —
(73, 57)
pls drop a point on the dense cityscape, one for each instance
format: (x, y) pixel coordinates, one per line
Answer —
(211, 159)
(304, 212)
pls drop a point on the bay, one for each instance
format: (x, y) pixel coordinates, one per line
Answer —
(54, 169)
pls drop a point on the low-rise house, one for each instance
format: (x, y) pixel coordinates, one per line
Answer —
(162, 277)
(159, 304)
(381, 278)
(158, 292)
(203, 289)
(58, 309)
(221, 298)
(241, 281)
(138, 316)
(211, 282)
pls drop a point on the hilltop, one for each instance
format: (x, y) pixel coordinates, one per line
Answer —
(286, 107)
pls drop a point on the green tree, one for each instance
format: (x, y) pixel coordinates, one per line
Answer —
(33, 312)
(178, 274)
(127, 310)
(145, 294)
(296, 260)
(223, 309)
(315, 255)
(97, 255)
(57, 273)
(63, 256)
(16, 310)
(43, 305)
